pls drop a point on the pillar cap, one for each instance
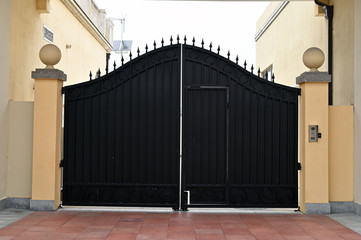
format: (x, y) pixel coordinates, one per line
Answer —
(50, 55)
(313, 77)
(48, 73)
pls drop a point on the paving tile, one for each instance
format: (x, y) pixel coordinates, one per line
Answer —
(153, 230)
(89, 239)
(210, 236)
(209, 231)
(158, 215)
(94, 233)
(350, 236)
(6, 238)
(71, 229)
(298, 237)
(181, 236)
(28, 234)
(181, 228)
(263, 230)
(133, 215)
(201, 225)
(236, 231)
(129, 224)
(12, 231)
(42, 229)
(240, 237)
(62, 235)
(175, 226)
(105, 221)
(125, 230)
(146, 236)
(122, 236)
(269, 237)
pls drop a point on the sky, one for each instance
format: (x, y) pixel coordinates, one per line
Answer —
(232, 25)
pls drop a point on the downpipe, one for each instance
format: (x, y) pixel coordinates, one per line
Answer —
(328, 10)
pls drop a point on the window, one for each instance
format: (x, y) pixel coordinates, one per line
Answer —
(48, 34)
(268, 73)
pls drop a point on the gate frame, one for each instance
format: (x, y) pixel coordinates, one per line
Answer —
(306, 175)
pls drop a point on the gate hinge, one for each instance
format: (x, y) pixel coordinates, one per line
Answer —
(299, 167)
(61, 164)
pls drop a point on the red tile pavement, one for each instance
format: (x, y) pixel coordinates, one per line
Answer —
(174, 226)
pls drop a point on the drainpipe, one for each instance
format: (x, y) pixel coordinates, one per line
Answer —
(328, 10)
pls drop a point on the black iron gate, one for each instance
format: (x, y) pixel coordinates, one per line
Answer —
(123, 134)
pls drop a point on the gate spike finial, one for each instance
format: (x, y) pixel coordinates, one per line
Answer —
(185, 39)
(259, 72)
(171, 40)
(138, 51)
(252, 68)
(218, 49)
(202, 43)
(98, 73)
(245, 64)
(90, 75)
(114, 65)
(146, 48)
(273, 77)
(162, 42)
(210, 46)
(122, 60)
(178, 38)
(266, 75)
(228, 54)
(130, 55)
(237, 60)
(193, 41)
(155, 44)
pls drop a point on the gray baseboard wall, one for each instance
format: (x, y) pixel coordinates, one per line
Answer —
(333, 207)
(20, 203)
(318, 208)
(311, 208)
(357, 209)
(3, 204)
(343, 207)
(41, 205)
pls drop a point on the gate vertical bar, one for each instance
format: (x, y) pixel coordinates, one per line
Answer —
(180, 129)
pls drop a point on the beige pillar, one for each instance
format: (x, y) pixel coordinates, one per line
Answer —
(314, 184)
(48, 103)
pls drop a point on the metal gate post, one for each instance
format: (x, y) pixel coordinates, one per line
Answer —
(314, 184)
(48, 104)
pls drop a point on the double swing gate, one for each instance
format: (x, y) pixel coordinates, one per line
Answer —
(180, 126)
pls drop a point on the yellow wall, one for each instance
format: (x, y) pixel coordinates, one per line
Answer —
(343, 50)
(284, 42)
(357, 113)
(20, 149)
(86, 53)
(267, 12)
(5, 10)
(341, 153)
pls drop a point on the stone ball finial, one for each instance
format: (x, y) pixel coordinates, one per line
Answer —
(313, 58)
(50, 55)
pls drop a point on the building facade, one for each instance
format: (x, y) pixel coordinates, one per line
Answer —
(284, 32)
(84, 37)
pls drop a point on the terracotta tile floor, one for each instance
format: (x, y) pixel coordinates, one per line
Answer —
(174, 226)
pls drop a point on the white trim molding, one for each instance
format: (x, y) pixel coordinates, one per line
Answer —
(271, 18)
(75, 9)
